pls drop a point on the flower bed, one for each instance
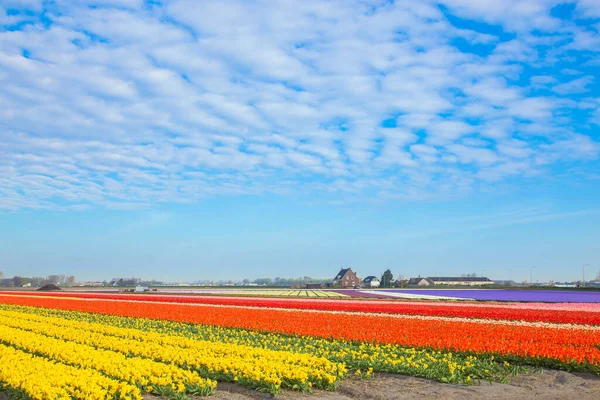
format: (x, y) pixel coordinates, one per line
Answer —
(566, 314)
(569, 347)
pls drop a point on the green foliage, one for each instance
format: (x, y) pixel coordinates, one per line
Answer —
(364, 357)
(387, 279)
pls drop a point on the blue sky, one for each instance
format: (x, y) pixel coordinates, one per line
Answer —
(186, 140)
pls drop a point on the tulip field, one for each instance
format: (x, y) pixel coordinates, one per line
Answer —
(128, 346)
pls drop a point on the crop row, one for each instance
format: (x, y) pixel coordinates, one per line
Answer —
(363, 357)
(575, 348)
(146, 374)
(38, 378)
(262, 369)
(277, 293)
(497, 312)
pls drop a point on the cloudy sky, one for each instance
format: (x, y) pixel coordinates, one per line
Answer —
(209, 139)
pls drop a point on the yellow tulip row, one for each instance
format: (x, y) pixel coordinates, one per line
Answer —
(250, 366)
(41, 379)
(148, 374)
(282, 293)
(155, 338)
(439, 365)
(363, 357)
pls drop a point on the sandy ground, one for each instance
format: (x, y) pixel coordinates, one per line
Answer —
(549, 384)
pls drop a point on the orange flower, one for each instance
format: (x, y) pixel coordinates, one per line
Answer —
(510, 312)
(578, 345)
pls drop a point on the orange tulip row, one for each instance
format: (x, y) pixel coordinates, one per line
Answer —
(578, 313)
(573, 345)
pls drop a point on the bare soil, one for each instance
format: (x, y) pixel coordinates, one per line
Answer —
(547, 385)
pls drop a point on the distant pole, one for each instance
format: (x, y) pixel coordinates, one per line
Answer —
(531, 275)
(508, 270)
(583, 274)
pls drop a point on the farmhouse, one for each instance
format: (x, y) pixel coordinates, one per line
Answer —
(346, 278)
(420, 282)
(461, 281)
(371, 281)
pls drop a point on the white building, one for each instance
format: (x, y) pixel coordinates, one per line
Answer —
(371, 281)
(461, 281)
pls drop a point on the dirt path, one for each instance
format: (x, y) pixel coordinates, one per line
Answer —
(549, 385)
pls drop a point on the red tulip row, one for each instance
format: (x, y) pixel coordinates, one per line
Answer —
(575, 345)
(462, 310)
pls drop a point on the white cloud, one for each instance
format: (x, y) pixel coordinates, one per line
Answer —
(575, 146)
(468, 155)
(588, 8)
(33, 5)
(585, 40)
(494, 91)
(575, 86)
(129, 104)
(514, 148)
(533, 108)
(542, 81)
(514, 15)
(445, 131)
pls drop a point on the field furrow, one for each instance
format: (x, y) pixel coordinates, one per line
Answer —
(147, 374)
(39, 378)
(253, 367)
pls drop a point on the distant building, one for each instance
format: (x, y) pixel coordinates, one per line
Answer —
(313, 286)
(420, 282)
(461, 281)
(371, 281)
(55, 279)
(400, 283)
(505, 283)
(346, 278)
